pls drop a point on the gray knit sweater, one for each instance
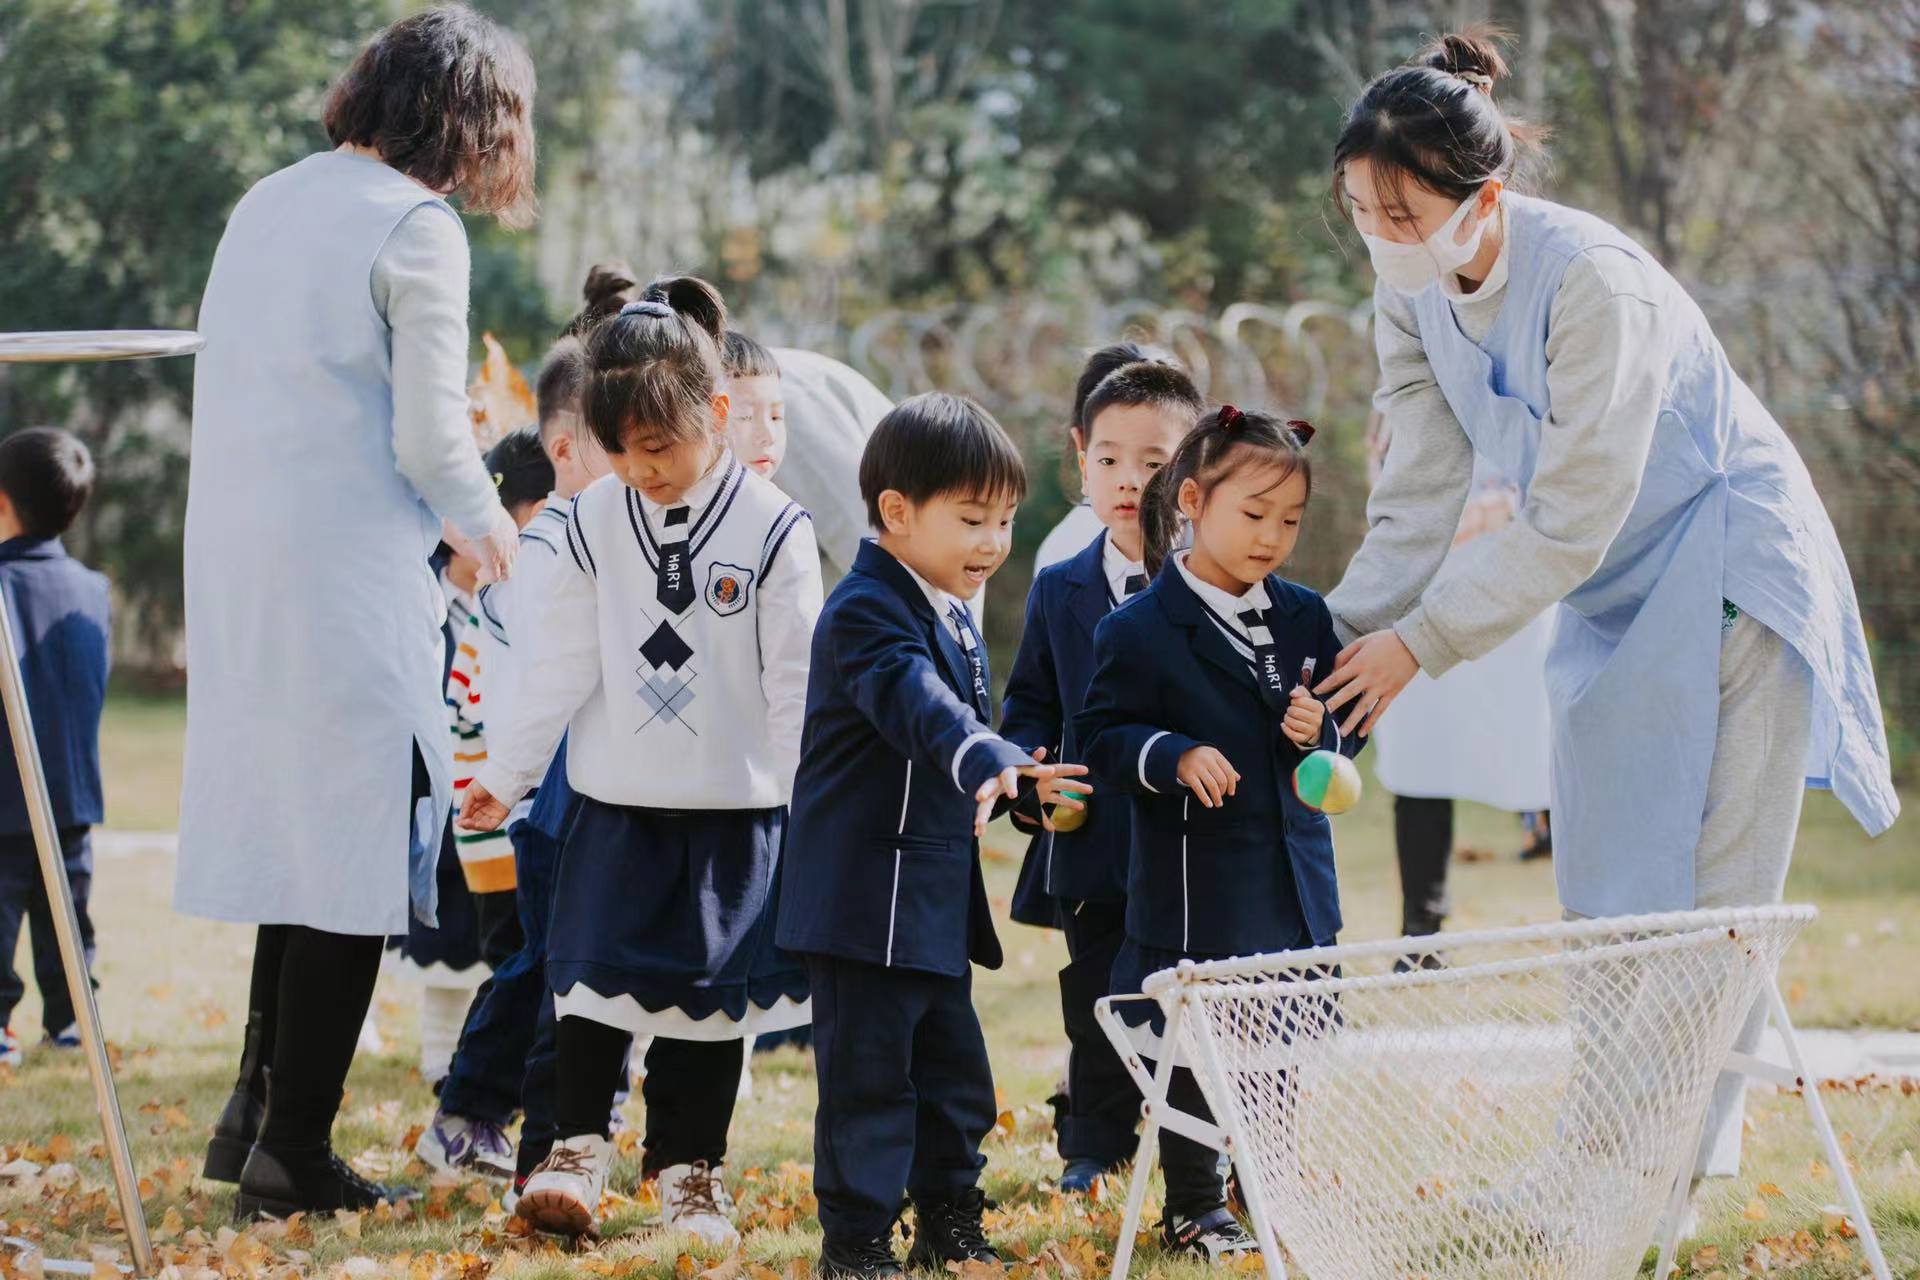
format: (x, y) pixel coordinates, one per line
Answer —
(1607, 368)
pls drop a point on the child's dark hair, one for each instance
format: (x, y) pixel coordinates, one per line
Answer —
(446, 97)
(562, 382)
(1221, 441)
(609, 286)
(1102, 362)
(1434, 122)
(521, 470)
(1144, 382)
(742, 357)
(655, 364)
(939, 443)
(47, 475)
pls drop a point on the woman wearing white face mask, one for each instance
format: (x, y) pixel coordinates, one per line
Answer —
(1708, 661)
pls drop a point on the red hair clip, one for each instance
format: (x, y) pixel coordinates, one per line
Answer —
(1302, 430)
(1230, 417)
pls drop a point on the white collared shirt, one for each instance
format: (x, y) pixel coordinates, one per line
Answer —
(1226, 609)
(942, 602)
(1114, 563)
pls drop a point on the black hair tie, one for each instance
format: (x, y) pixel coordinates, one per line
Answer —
(647, 308)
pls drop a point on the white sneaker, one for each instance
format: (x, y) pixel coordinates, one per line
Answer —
(694, 1199)
(563, 1195)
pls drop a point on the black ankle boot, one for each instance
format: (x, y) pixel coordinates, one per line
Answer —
(947, 1229)
(279, 1182)
(292, 1168)
(239, 1122)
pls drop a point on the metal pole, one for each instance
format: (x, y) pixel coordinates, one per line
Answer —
(47, 348)
(66, 926)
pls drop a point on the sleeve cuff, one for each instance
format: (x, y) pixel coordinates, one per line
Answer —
(1423, 639)
(983, 756)
(1159, 763)
(502, 786)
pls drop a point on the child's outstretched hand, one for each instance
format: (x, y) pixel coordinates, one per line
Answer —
(1208, 775)
(1007, 784)
(1051, 794)
(1304, 718)
(479, 811)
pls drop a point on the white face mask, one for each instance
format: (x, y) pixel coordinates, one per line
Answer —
(1412, 267)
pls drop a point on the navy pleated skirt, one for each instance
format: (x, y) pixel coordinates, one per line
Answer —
(663, 923)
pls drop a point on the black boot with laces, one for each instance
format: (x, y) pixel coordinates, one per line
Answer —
(857, 1259)
(948, 1229)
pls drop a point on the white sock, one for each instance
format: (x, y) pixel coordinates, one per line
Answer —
(443, 1012)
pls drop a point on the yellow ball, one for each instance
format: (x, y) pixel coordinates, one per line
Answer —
(1327, 781)
(1065, 819)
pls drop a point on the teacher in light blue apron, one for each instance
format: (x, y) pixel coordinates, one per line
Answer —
(1708, 662)
(330, 443)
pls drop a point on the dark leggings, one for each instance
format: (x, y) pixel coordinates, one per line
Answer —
(309, 998)
(690, 1090)
(1423, 838)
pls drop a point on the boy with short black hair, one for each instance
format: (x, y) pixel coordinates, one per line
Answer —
(58, 609)
(882, 892)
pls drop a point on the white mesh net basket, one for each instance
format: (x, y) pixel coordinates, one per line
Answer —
(1523, 1112)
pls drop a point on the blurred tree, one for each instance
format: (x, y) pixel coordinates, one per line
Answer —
(127, 132)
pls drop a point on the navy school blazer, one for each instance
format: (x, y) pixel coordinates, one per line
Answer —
(1045, 690)
(59, 613)
(1257, 873)
(881, 863)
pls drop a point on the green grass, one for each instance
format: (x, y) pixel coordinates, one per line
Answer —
(173, 989)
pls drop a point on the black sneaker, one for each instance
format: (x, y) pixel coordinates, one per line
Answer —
(859, 1259)
(947, 1229)
(280, 1182)
(1213, 1237)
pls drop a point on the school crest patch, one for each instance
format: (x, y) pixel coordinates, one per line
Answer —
(727, 588)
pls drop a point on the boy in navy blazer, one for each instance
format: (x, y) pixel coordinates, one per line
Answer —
(1135, 418)
(58, 609)
(881, 889)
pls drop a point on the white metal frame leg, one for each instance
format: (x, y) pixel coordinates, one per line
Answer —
(1792, 1076)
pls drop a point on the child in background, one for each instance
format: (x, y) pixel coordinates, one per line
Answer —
(1079, 525)
(58, 608)
(482, 1087)
(444, 958)
(884, 897)
(1135, 419)
(676, 636)
(1198, 709)
(757, 429)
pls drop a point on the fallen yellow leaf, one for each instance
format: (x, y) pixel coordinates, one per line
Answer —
(1756, 1210)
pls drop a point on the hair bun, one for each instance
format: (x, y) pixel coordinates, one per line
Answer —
(1471, 54)
(696, 300)
(606, 282)
(1302, 430)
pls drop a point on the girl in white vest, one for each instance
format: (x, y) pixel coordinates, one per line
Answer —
(330, 442)
(673, 652)
(1708, 662)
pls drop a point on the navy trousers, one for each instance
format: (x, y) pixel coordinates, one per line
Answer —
(536, 858)
(494, 1058)
(23, 898)
(906, 1092)
(1103, 1106)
